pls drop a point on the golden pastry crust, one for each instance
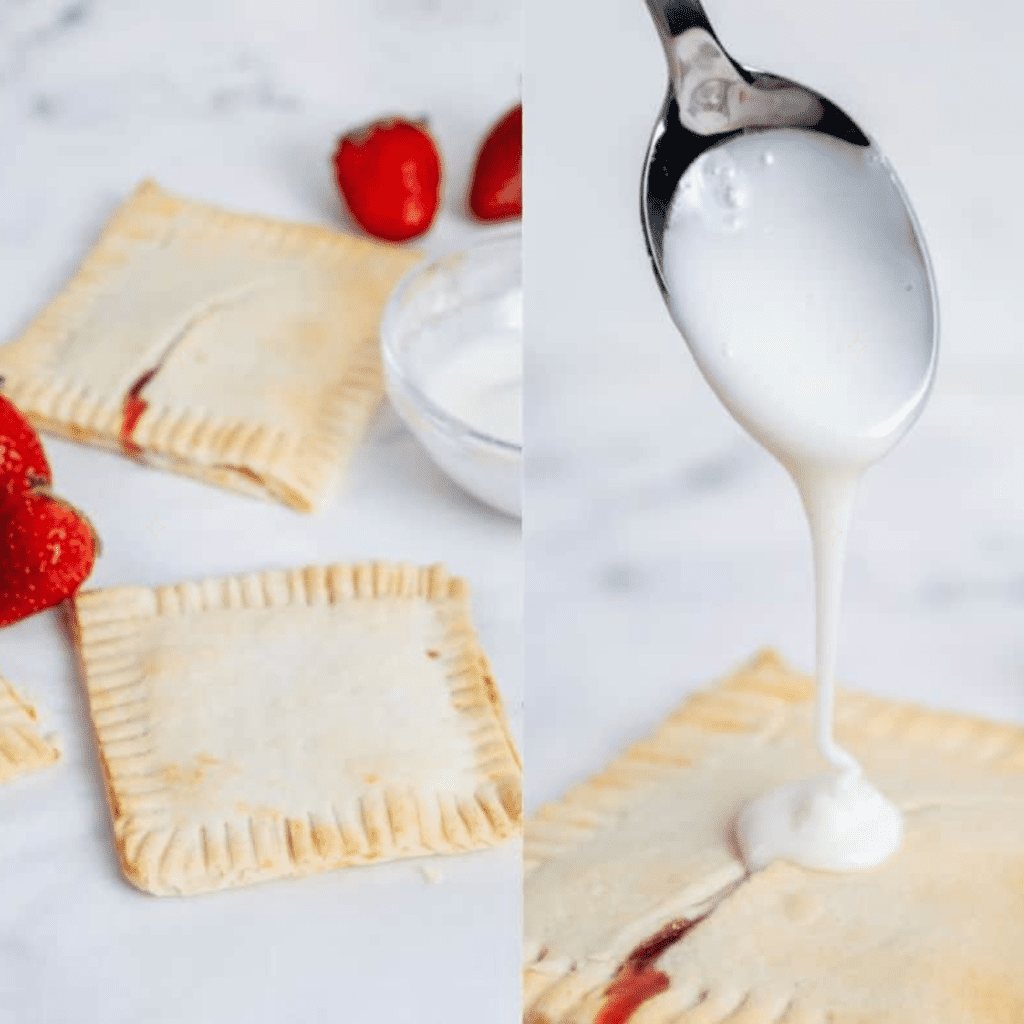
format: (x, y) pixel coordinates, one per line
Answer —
(263, 336)
(22, 748)
(647, 846)
(289, 722)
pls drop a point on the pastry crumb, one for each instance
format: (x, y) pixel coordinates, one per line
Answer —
(432, 875)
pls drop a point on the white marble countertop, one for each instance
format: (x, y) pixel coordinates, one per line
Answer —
(239, 104)
(663, 545)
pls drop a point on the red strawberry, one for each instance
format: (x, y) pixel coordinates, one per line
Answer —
(497, 191)
(389, 173)
(22, 459)
(47, 549)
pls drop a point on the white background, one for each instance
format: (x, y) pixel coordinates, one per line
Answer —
(239, 103)
(664, 547)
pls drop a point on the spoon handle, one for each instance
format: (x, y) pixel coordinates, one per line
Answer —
(674, 17)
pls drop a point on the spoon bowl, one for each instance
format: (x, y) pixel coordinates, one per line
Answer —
(712, 98)
(863, 232)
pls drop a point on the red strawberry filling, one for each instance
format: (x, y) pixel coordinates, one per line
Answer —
(132, 410)
(637, 980)
(628, 992)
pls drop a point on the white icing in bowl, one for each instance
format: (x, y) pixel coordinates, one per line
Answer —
(452, 345)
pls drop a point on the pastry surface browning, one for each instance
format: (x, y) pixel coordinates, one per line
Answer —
(289, 722)
(236, 349)
(22, 748)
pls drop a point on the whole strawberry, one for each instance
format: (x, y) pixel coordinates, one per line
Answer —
(47, 547)
(22, 459)
(497, 189)
(389, 173)
(48, 552)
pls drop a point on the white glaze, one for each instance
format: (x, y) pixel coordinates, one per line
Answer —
(452, 342)
(794, 273)
(830, 822)
(481, 384)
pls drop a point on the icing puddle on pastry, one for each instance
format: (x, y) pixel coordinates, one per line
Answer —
(632, 877)
(795, 274)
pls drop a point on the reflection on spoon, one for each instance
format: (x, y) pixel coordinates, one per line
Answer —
(713, 97)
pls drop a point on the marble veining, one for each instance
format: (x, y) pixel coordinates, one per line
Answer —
(26, 27)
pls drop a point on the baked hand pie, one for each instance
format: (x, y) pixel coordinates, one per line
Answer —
(288, 722)
(237, 349)
(22, 748)
(638, 908)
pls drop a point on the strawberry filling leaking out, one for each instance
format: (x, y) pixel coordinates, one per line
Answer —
(134, 406)
(638, 980)
(628, 993)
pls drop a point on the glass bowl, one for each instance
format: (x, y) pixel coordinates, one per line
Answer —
(451, 344)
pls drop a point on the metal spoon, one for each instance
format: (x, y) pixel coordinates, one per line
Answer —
(718, 99)
(711, 99)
